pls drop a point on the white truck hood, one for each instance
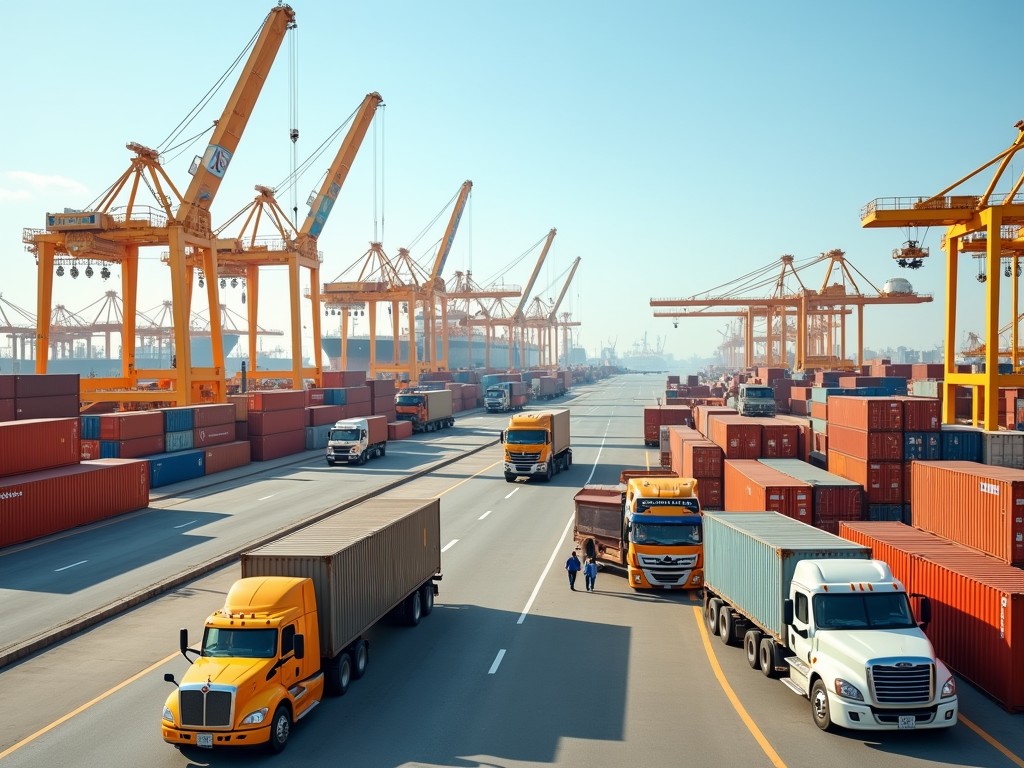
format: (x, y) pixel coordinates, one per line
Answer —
(857, 648)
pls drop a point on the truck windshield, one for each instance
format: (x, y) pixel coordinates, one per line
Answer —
(498, 393)
(751, 393)
(525, 436)
(671, 535)
(867, 611)
(240, 643)
(345, 435)
(409, 400)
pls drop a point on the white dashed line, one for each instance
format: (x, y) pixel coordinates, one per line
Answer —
(449, 545)
(80, 562)
(485, 514)
(497, 662)
(183, 525)
(267, 497)
(554, 554)
(510, 494)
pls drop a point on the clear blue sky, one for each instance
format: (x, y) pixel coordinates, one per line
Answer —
(672, 144)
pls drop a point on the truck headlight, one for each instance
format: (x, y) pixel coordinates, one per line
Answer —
(254, 718)
(354, 450)
(330, 451)
(848, 690)
(169, 716)
(949, 688)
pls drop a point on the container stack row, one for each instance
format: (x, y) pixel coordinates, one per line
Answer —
(693, 455)
(32, 396)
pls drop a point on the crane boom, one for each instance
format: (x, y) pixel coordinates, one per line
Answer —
(565, 289)
(517, 316)
(228, 131)
(449, 233)
(324, 201)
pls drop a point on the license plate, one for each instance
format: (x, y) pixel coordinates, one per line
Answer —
(206, 739)
(907, 722)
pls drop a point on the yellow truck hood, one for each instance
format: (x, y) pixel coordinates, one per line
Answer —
(227, 670)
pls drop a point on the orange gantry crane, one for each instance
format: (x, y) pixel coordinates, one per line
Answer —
(464, 293)
(517, 319)
(242, 256)
(991, 220)
(180, 222)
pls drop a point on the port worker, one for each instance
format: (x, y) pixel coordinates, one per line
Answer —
(590, 574)
(572, 565)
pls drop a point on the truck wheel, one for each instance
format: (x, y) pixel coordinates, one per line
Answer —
(338, 675)
(819, 706)
(362, 457)
(726, 626)
(383, 450)
(711, 615)
(280, 729)
(509, 477)
(360, 658)
(568, 461)
(557, 463)
(550, 473)
(413, 609)
(766, 657)
(427, 598)
(752, 647)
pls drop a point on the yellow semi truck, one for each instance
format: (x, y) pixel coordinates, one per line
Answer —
(537, 444)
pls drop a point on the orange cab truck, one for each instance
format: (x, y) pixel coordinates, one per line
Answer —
(649, 525)
(537, 444)
(293, 628)
(427, 409)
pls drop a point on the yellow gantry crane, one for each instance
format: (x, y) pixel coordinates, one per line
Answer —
(553, 323)
(518, 317)
(463, 293)
(242, 256)
(180, 222)
(993, 219)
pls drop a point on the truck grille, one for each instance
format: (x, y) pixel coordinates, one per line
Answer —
(205, 710)
(897, 684)
(668, 561)
(523, 458)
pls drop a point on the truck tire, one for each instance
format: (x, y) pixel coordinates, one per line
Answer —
(383, 450)
(550, 473)
(568, 460)
(510, 477)
(280, 729)
(557, 464)
(820, 712)
(427, 598)
(726, 626)
(711, 615)
(766, 654)
(360, 658)
(752, 647)
(338, 675)
(413, 609)
(363, 457)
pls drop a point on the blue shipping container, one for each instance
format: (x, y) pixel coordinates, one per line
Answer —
(335, 397)
(960, 443)
(110, 449)
(890, 512)
(178, 441)
(178, 419)
(167, 468)
(907, 517)
(90, 427)
(924, 446)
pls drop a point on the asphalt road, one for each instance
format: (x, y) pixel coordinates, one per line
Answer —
(615, 677)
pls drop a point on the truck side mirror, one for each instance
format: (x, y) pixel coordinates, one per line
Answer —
(183, 645)
(501, 437)
(925, 611)
(169, 678)
(787, 612)
(299, 647)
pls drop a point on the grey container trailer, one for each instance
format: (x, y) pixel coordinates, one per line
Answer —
(750, 557)
(364, 562)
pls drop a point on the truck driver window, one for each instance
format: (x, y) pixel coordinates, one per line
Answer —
(288, 639)
(867, 611)
(240, 643)
(526, 436)
(801, 607)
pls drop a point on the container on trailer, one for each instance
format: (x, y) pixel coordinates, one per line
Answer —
(30, 446)
(273, 422)
(225, 456)
(132, 449)
(130, 426)
(877, 414)
(267, 447)
(178, 419)
(215, 435)
(1003, 449)
(168, 468)
(882, 480)
(750, 558)
(751, 486)
(867, 445)
(736, 436)
(977, 625)
(213, 415)
(376, 429)
(833, 498)
(277, 400)
(342, 555)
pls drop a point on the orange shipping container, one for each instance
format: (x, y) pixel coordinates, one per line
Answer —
(751, 486)
(878, 414)
(701, 459)
(678, 436)
(977, 625)
(874, 446)
(779, 440)
(738, 437)
(819, 410)
(882, 480)
(921, 414)
(36, 444)
(702, 412)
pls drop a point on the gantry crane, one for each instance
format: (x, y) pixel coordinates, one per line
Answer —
(242, 256)
(518, 316)
(992, 219)
(180, 222)
(553, 323)
(463, 293)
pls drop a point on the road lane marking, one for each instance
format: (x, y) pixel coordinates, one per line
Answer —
(598, 459)
(69, 715)
(183, 525)
(554, 554)
(270, 496)
(412, 453)
(497, 662)
(991, 740)
(452, 488)
(731, 694)
(512, 491)
(449, 545)
(80, 562)
(647, 458)
(485, 514)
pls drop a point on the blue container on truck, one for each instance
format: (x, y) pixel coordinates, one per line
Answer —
(168, 468)
(178, 419)
(922, 446)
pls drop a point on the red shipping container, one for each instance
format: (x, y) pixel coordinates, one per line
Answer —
(399, 430)
(666, 460)
(227, 456)
(215, 435)
(343, 379)
(820, 442)
(359, 410)
(90, 449)
(357, 395)
(275, 422)
(921, 414)
(819, 410)
(322, 415)
(7, 411)
(979, 506)
(928, 371)
(387, 403)
(241, 430)
(779, 439)
(908, 482)
(213, 415)
(33, 445)
(8, 390)
(267, 447)
(751, 486)
(853, 382)
(702, 412)
(314, 397)
(709, 494)
(42, 503)
(49, 407)
(277, 400)
(873, 446)
(138, 447)
(241, 406)
(381, 387)
(874, 414)
(131, 426)
(45, 385)
(804, 436)
(800, 407)
(882, 480)
(701, 459)
(656, 416)
(977, 604)
(737, 436)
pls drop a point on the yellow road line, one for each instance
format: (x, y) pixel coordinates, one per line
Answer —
(647, 458)
(747, 720)
(452, 488)
(991, 740)
(69, 715)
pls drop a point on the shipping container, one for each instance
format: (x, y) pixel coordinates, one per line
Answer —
(267, 447)
(220, 458)
(363, 563)
(241, 430)
(701, 459)
(381, 387)
(710, 494)
(876, 414)
(7, 410)
(804, 435)
(321, 415)
(219, 434)
(358, 410)
(908, 483)
(819, 410)
(921, 414)
(130, 426)
(882, 480)
(37, 444)
(315, 397)
(168, 468)
(678, 436)
(179, 419)
(274, 422)
(179, 441)
(399, 430)
(355, 395)
(132, 449)
(344, 379)
(90, 450)
(1003, 449)
(872, 446)
(49, 407)
(960, 443)
(90, 426)
(8, 388)
(925, 446)
(30, 385)
(885, 512)
(42, 503)
(833, 498)
(779, 439)
(979, 506)
(214, 415)
(737, 436)
(977, 625)
(751, 486)
(335, 397)
(277, 400)
(317, 437)
(702, 412)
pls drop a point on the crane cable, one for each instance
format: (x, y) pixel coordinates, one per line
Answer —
(292, 178)
(515, 262)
